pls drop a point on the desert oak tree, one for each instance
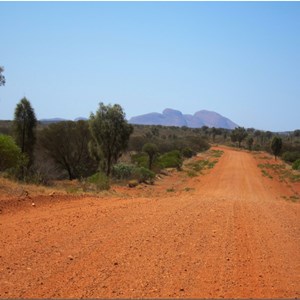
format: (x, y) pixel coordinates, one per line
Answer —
(151, 150)
(238, 135)
(276, 146)
(110, 135)
(67, 144)
(24, 127)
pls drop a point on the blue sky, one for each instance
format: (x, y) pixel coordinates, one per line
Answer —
(240, 59)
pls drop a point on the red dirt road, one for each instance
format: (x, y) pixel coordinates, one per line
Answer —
(229, 235)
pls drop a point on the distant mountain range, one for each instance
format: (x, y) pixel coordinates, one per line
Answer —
(171, 117)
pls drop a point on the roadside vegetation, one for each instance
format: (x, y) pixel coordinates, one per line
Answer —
(96, 152)
(196, 166)
(106, 149)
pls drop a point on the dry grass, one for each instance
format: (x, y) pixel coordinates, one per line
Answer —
(9, 188)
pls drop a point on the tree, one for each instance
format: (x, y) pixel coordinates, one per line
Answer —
(297, 133)
(24, 127)
(214, 132)
(110, 135)
(257, 134)
(238, 135)
(250, 141)
(268, 135)
(276, 146)
(10, 153)
(2, 78)
(151, 150)
(67, 144)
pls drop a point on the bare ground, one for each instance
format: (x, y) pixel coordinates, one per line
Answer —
(228, 233)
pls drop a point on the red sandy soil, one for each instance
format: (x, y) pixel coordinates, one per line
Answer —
(228, 233)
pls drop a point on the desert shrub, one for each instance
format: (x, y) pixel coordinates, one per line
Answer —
(296, 165)
(125, 171)
(10, 153)
(100, 180)
(187, 152)
(122, 171)
(291, 156)
(171, 159)
(196, 143)
(141, 159)
(142, 174)
(12, 161)
(256, 147)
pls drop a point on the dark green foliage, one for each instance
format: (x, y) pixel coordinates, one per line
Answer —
(214, 132)
(291, 156)
(257, 147)
(250, 141)
(110, 133)
(100, 180)
(67, 144)
(24, 124)
(238, 135)
(168, 138)
(171, 159)
(142, 174)
(10, 153)
(296, 165)
(136, 143)
(276, 145)
(296, 133)
(187, 152)
(140, 159)
(151, 150)
(130, 172)
(2, 78)
(122, 171)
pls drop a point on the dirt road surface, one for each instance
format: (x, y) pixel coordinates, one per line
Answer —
(228, 233)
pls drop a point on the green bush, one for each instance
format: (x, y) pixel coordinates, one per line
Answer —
(142, 174)
(10, 153)
(257, 147)
(133, 173)
(291, 156)
(122, 171)
(296, 165)
(141, 159)
(100, 180)
(171, 159)
(187, 152)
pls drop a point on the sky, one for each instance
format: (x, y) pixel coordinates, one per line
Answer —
(240, 59)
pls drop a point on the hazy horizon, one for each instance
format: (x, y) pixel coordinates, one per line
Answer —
(239, 59)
